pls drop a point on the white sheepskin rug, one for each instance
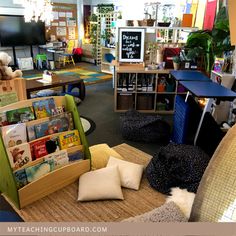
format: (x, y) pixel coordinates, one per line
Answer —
(183, 199)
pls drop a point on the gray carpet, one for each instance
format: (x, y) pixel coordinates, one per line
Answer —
(99, 106)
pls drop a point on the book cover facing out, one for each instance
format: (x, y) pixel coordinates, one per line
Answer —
(69, 139)
(20, 115)
(14, 134)
(60, 158)
(21, 178)
(35, 172)
(19, 155)
(44, 108)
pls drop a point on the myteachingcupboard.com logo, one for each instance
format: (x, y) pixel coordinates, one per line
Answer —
(55, 229)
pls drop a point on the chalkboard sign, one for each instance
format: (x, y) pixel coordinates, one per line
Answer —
(131, 44)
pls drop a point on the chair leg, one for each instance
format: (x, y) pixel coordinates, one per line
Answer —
(64, 62)
(72, 59)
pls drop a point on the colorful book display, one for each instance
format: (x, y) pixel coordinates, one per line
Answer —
(14, 135)
(44, 108)
(53, 141)
(19, 155)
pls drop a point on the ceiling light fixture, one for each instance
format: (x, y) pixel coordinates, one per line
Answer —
(36, 10)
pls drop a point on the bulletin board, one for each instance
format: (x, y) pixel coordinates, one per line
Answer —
(64, 24)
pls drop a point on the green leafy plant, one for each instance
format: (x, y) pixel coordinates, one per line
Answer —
(210, 44)
(221, 33)
(200, 44)
(93, 34)
(176, 59)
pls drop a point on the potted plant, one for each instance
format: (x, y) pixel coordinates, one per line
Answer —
(176, 62)
(106, 37)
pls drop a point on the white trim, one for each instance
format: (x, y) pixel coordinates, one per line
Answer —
(127, 29)
(11, 11)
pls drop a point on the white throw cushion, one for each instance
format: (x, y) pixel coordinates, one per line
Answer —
(130, 173)
(100, 184)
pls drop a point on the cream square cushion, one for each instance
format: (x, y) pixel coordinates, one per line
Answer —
(100, 154)
(100, 184)
(130, 173)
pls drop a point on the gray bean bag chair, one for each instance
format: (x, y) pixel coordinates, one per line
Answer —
(177, 165)
(140, 127)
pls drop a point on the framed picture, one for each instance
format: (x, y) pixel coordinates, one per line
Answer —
(131, 44)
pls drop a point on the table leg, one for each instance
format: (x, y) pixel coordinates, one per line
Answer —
(207, 108)
(28, 93)
(82, 90)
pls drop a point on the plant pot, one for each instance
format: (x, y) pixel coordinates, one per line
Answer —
(164, 24)
(159, 58)
(176, 65)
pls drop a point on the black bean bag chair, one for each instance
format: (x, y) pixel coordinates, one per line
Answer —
(140, 127)
(177, 165)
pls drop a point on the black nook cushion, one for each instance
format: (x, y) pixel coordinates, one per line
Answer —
(177, 165)
(144, 128)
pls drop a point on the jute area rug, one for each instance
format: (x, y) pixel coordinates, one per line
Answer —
(61, 206)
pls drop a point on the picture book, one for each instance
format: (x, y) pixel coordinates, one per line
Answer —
(20, 115)
(69, 139)
(21, 178)
(52, 145)
(44, 108)
(59, 123)
(14, 134)
(44, 146)
(38, 148)
(31, 132)
(58, 110)
(42, 129)
(19, 155)
(76, 153)
(37, 171)
(3, 119)
(60, 158)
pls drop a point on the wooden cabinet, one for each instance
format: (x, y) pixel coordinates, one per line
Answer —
(150, 91)
(52, 181)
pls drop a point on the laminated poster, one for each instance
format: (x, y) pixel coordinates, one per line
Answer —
(71, 22)
(62, 23)
(54, 23)
(69, 14)
(71, 32)
(62, 14)
(55, 15)
(61, 31)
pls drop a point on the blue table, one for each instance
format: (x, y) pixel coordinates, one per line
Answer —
(189, 75)
(208, 90)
